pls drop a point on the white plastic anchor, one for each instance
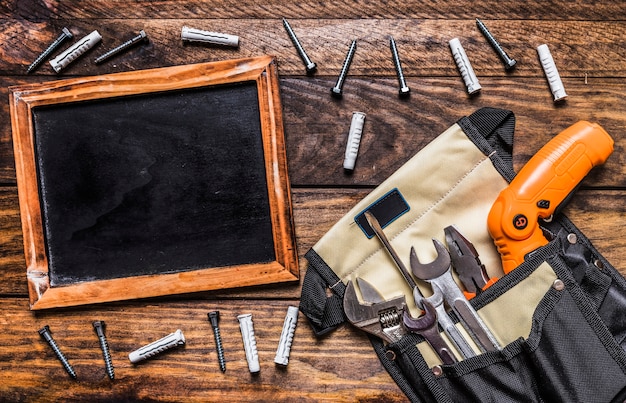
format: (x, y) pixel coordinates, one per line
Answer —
(249, 342)
(170, 341)
(286, 337)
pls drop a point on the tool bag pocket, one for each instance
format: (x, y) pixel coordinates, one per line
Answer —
(556, 346)
(559, 317)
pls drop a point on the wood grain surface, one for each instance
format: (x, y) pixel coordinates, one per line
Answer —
(587, 41)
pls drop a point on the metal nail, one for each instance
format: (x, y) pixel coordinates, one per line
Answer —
(337, 90)
(214, 318)
(45, 333)
(310, 66)
(99, 326)
(142, 37)
(65, 34)
(508, 62)
(405, 91)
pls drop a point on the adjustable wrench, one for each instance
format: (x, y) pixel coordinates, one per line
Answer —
(438, 274)
(381, 318)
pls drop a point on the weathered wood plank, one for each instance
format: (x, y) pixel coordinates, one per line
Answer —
(316, 125)
(40, 10)
(600, 214)
(342, 367)
(580, 48)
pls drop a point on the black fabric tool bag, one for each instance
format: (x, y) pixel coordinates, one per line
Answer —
(558, 317)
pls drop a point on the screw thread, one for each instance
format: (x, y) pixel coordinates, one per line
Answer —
(337, 89)
(509, 63)
(107, 357)
(45, 333)
(66, 34)
(122, 47)
(220, 349)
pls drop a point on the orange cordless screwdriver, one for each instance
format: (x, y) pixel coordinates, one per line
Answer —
(538, 189)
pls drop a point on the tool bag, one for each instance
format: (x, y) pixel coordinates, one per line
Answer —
(558, 317)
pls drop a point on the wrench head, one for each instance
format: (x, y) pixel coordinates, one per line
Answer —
(426, 321)
(433, 269)
(381, 319)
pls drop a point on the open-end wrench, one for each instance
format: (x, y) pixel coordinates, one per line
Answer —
(448, 326)
(438, 274)
(426, 326)
(381, 318)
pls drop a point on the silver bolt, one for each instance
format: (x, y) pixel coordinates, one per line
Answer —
(337, 90)
(310, 66)
(99, 328)
(45, 333)
(214, 318)
(66, 34)
(508, 62)
(142, 37)
(404, 89)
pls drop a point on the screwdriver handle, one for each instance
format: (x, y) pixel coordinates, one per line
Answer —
(541, 186)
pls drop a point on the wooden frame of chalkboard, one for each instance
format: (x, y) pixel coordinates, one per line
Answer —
(144, 170)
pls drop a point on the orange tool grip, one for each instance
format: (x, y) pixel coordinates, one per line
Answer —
(541, 186)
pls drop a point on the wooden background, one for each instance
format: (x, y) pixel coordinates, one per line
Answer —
(587, 41)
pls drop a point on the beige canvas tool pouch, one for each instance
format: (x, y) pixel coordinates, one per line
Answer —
(553, 315)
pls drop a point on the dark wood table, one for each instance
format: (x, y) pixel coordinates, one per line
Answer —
(586, 40)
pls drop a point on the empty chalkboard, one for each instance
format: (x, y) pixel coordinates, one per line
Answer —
(154, 182)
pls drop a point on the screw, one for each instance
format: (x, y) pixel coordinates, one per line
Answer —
(45, 333)
(405, 91)
(310, 66)
(214, 317)
(99, 328)
(139, 38)
(337, 90)
(508, 62)
(66, 34)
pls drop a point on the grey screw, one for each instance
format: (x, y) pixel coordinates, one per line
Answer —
(405, 91)
(99, 328)
(508, 62)
(139, 38)
(310, 66)
(214, 317)
(66, 34)
(337, 90)
(45, 333)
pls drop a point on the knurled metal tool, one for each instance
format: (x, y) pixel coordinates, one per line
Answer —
(382, 318)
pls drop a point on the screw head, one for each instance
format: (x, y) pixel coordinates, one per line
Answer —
(405, 92)
(510, 64)
(310, 68)
(336, 92)
(214, 317)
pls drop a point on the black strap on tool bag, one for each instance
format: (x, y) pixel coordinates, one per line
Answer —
(559, 316)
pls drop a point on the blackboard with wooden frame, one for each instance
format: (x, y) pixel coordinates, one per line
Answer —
(154, 182)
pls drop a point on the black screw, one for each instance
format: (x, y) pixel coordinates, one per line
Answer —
(66, 34)
(337, 90)
(310, 66)
(139, 38)
(508, 62)
(214, 317)
(405, 91)
(99, 328)
(45, 333)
